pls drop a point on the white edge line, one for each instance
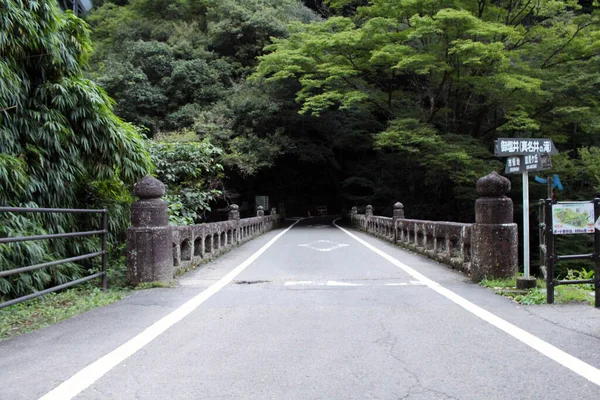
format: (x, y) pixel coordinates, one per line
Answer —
(565, 359)
(90, 374)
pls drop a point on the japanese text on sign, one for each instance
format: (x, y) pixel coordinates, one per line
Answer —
(508, 147)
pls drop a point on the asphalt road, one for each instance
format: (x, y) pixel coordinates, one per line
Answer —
(318, 315)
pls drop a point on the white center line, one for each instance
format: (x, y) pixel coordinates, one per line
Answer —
(90, 374)
(565, 359)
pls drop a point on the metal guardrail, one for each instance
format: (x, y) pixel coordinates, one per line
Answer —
(103, 252)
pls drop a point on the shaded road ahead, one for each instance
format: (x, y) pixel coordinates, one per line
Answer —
(317, 315)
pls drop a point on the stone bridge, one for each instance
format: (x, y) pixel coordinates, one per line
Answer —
(486, 248)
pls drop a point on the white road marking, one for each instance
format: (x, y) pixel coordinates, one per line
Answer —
(332, 245)
(411, 283)
(565, 359)
(294, 283)
(353, 284)
(334, 283)
(90, 374)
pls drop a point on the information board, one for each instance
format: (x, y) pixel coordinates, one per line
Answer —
(573, 218)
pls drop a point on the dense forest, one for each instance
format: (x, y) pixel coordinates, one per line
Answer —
(356, 102)
(315, 102)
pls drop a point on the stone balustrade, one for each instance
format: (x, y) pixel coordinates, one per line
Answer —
(157, 251)
(485, 249)
(194, 244)
(446, 242)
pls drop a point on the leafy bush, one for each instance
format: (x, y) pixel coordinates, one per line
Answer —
(61, 145)
(192, 173)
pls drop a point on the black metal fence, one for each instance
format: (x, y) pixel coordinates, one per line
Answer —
(102, 253)
(548, 250)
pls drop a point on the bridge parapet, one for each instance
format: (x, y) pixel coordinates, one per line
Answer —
(446, 242)
(194, 244)
(157, 251)
(487, 248)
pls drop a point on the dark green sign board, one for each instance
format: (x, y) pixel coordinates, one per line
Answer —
(530, 162)
(506, 147)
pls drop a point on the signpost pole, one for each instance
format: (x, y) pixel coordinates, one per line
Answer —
(526, 224)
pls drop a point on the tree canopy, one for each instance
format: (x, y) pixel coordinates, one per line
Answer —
(449, 77)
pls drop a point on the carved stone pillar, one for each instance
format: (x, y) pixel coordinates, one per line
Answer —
(150, 238)
(495, 236)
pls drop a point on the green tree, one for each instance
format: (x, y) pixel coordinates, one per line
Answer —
(60, 143)
(448, 77)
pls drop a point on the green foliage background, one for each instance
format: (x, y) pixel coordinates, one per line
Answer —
(336, 102)
(60, 144)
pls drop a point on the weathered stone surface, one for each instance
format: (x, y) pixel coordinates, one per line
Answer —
(495, 251)
(149, 255)
(260, 212)
(369, 211)
(398, 210)
(273, 211)
(489, 210)
(493, 185)
(495, 236)
(234, 212)
(149, 212)
(150, 238)
(354, 210)
(149, 187)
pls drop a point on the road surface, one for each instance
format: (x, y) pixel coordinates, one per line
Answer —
(315, 314)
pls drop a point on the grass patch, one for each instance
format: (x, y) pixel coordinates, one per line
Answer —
(563, 294)
(52, 308)
(155, 284)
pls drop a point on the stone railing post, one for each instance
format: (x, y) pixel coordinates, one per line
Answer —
(234, 213)
(273, 211)
(495, 237)
(260, 212)
(150, 238)
(368, 216)
(397, 214)
(398, 211)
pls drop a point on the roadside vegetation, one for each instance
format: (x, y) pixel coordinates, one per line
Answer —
(52, 308)
(563, 294)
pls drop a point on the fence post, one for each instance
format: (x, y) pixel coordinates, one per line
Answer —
(495, 236)
(397, 214)
(150, 238)
(260, 212)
